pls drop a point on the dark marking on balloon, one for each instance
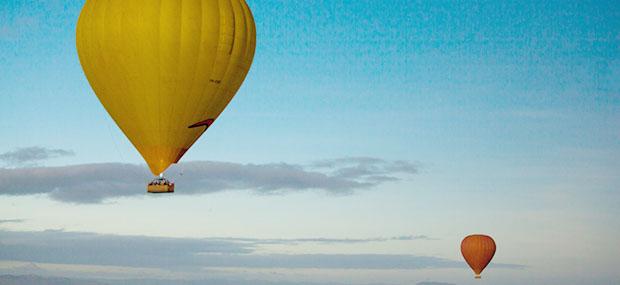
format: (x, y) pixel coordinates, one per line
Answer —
(181, 154)
(206, 123)
(215, 81)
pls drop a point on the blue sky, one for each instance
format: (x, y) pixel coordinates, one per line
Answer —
(507, 111)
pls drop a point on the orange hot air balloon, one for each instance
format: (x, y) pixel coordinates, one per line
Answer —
(478, 250)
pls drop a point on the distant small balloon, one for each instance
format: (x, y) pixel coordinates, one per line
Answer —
(478, 250)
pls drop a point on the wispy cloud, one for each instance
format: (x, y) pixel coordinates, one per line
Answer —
(6, 221)
(333, 240)
(330, 261)
(182, 253)
(434, 283)
(370, 166)
(94, 183)
(30, 156)
(38, 280)
(52, 246)
(362, 160)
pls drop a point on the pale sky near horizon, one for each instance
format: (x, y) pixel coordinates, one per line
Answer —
(436, 119)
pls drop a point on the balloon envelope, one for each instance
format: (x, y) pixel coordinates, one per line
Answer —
(165, 70)
(478, 250)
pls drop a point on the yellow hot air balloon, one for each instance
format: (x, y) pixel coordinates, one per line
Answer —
(165, 69)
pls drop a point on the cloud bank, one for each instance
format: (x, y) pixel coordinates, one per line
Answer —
(94, 183)
(60, 247)
(11, 279)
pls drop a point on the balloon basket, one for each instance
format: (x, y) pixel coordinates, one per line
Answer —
(160, 185)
